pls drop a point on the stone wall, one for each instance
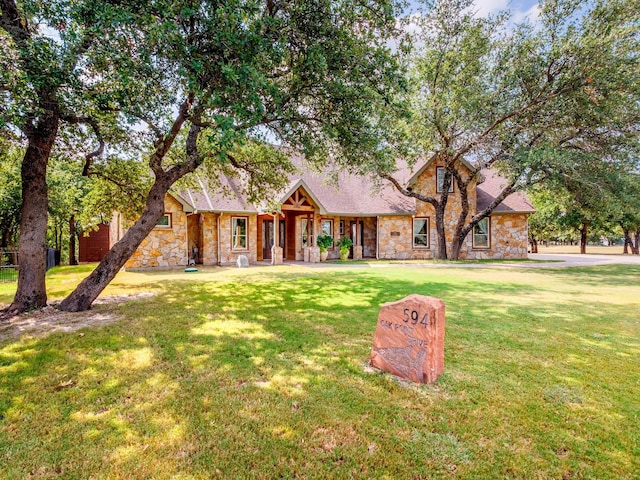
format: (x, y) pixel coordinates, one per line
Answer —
(396, 239)
(164, 247)
(228, 256)
(508, 238)
(209, 238)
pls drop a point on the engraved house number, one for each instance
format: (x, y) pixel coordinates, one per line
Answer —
(412, 316)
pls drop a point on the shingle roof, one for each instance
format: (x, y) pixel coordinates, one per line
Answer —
(349, 195)
(491, 187)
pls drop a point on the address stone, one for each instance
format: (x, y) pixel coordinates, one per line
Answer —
(409, 338)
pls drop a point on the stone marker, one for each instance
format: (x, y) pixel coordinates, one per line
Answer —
(243, 261)
(409, 338)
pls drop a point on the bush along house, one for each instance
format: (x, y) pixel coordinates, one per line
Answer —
(213, 228)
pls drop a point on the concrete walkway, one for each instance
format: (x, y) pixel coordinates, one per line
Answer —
(548, 260)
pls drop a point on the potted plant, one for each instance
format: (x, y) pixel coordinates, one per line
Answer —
(324, 242)
(344, 244)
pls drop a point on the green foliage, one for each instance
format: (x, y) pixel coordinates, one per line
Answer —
(10, 196)
(324, 242)
(344, 243)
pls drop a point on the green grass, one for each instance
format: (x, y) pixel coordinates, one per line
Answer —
(261, 373)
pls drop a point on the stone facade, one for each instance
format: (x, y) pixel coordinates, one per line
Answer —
(164, 246)
(229, 255)
(396, 239)
(388, 236)
(508, 233)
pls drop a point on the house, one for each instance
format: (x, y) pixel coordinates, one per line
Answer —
(215, 228)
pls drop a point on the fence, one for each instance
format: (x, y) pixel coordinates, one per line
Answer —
(8, 265)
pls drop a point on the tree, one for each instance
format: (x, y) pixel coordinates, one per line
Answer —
(46, 80)
(524, 100)
(307, 73)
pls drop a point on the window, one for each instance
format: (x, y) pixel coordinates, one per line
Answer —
(421, 232)
(165, 221)
(239, 233)
(440, 171)
(327, 228)
(307, 232)
(481, 232)
(341, 227)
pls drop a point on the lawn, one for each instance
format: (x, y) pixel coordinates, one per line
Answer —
(261, 373)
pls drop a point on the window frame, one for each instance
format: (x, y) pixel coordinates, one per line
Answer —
(169, 225)
(330, 222)
(427, 235)
(246, 234)
(488, 235)
(439, 183)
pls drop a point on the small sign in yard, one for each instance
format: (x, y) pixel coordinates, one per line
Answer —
(409, 338)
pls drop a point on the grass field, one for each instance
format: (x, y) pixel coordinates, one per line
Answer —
(261, 373)
(591, 249)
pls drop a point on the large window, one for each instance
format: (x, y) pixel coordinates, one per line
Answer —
(440, 171)
(482, 234)
(307, 232)
(165, 221)
(327, 228)
(421, 232)
(239, 233)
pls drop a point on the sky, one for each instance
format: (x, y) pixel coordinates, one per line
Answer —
(519, 8)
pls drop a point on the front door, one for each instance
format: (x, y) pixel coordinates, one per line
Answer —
(353, 236)
(267, 238)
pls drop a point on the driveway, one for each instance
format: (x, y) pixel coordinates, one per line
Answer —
(577, 260)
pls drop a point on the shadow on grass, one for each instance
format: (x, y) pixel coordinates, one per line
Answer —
(262, 375)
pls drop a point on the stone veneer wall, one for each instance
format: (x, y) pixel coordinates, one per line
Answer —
(508, 237)
(209, 238)
(164, 247)
(399, 247)
(229, 256)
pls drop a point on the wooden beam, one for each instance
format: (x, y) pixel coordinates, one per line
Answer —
(305, 208)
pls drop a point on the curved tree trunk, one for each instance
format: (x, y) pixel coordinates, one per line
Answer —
(441, 236)
(534, 245)
(83, 296)
(627, 242)
(31, 292)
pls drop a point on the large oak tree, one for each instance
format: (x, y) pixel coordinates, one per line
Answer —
(525, 99)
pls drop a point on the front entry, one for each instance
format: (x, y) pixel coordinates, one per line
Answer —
(268, 237)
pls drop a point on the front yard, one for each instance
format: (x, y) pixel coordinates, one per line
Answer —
(261, 373)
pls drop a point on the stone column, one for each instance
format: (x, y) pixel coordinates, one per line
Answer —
(357, 252)
(277, 255)
(305, 253)
(314, 254)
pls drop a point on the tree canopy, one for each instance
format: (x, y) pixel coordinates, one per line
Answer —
(528, 99)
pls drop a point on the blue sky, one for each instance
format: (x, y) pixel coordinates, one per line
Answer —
(519, 8)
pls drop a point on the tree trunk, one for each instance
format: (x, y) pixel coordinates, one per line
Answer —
(635, 246)
(72, 241)
(456, 246)
(83, 296)
(441, 236)
(534, 245)
(583, 238)
(31, 292)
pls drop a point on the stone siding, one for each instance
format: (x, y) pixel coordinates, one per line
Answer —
(228, 256)
(209, 236)
(396, 239)
(164, 247)
(508, 238)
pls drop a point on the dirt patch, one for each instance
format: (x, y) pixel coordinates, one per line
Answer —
(48, 320)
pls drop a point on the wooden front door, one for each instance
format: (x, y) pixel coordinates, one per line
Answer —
(267, 238)
(353, 237)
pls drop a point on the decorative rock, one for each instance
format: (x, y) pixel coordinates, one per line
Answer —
(409, 338)
(243, 261)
